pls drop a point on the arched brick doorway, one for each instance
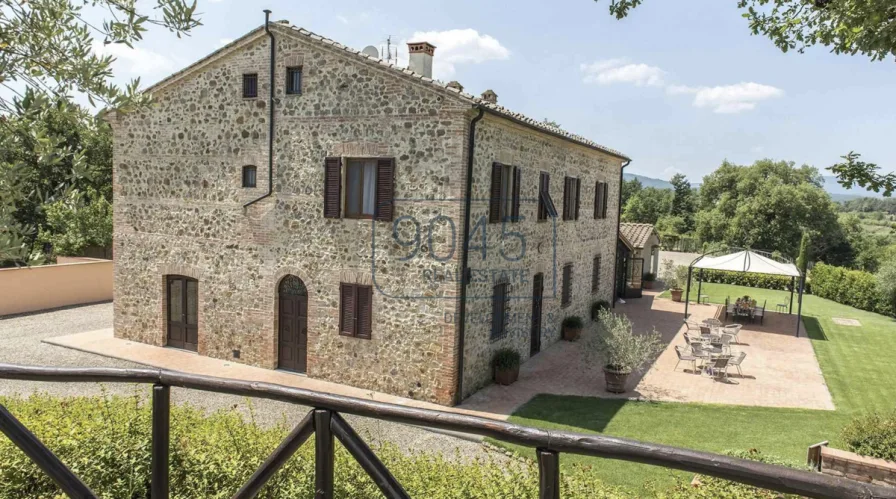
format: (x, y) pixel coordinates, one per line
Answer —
(292, 334)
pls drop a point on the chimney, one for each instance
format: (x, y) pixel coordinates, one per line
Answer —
(420, 60)
(490, 96)
(455, 85)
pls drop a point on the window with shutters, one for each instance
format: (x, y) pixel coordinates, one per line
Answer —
(249, 173)
(363, 189)
(500, 300)
(545, 203)
(571, 190)
(355, 310)
(566, 286)
(250, 86)
(601, 191)
(294, 80)
(595, 275)
(505, 193)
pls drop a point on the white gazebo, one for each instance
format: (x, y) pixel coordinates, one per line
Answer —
(757, 262)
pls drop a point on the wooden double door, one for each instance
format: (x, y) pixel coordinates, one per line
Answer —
(292, 325)
(183, 312)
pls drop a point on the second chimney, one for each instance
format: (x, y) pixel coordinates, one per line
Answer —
(420, 60)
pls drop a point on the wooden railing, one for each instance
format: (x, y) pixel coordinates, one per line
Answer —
(325, 422)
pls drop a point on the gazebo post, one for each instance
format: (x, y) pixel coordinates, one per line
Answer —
(687, 296)
(792, 285)
(699, 285)
(799, 314)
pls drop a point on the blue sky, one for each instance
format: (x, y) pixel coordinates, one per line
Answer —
(678, 86)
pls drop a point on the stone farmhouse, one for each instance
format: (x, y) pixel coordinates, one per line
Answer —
(292, 203)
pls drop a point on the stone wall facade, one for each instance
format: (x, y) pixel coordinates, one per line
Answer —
(179, 211)
(549, 245)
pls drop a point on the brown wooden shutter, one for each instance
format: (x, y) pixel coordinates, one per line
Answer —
(494, 206)
(385, 189)
(517, 178)
(595, 275)
(606, 195)
(365, 311)
(566, 293)
(578, 191)
(597, 196)
(332, 187)
(566, 198)
(347, 309)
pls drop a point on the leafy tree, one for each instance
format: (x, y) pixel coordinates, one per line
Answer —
(853, 171)
(768, 206)
(629, 189)
(683, 201)
(46, 54)
(671, 224)
(81, 220)
(886, 281)
(648, 205)
(847, 27)
(802, 261)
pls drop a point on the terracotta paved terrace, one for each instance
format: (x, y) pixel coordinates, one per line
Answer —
(780, 370)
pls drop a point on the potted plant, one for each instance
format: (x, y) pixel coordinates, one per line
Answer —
(620, 351)
(597, 307)
(572, 328)
(648, 280)
(506, 363)
(670, 276)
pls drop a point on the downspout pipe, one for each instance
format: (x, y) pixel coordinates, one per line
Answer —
(465, 257)
(618, 235)
(267, 21)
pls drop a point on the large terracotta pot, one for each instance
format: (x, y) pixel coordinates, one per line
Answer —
(676, 294)
(571, 333)
(615, 379)
(507, 376)
(648, 284)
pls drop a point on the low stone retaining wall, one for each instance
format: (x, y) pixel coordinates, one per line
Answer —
(29, 289)
(854, 466)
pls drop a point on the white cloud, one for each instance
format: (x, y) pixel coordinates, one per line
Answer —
(136, 61)
(343, 19)
(729, 99)
(224, 41)
(610, 71)
(457, 46)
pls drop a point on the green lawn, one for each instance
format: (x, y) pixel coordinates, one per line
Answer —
(856, 362)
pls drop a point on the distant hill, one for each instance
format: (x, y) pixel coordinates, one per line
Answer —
(837, 191)
(648, 181)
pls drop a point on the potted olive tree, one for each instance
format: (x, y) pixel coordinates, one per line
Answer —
(597, 307)
(572, 328)
(619, 350)
(670, 276)
(506, 363)
(648, 280)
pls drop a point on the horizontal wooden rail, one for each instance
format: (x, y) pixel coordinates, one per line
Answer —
(778, 478)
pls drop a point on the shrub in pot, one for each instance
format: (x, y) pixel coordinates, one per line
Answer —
(572, 328)
(597, 307)
(619, 350)
(648, 280)
(672, 278)
(506, 363)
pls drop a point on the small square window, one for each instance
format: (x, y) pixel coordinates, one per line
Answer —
(250, 86)
(294, 80)
(249, 174)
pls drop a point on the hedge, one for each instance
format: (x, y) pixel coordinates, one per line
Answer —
(855, 288)
(750, 279)
(106, 441)
(872, 435)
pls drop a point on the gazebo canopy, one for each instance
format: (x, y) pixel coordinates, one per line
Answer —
(746, 261)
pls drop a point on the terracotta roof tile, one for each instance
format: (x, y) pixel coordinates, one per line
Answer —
(636, 234)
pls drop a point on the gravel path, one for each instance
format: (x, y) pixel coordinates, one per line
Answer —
(20, 343)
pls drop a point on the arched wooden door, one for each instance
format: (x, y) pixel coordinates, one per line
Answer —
(292, 335)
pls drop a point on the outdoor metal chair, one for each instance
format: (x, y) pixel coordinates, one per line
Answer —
(736, 361)
(718, 368)
(686, 356)
(705, 330)
(692, 325)
(733, 330)
(760, 312)
(725, 342)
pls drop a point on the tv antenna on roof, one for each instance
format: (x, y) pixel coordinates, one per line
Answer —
(390, 54)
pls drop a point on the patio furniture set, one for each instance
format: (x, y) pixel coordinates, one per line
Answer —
(745, 308)
(709, 348)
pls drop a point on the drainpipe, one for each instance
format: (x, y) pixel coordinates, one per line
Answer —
(464, 269)
(267, 19)
(616, 242)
